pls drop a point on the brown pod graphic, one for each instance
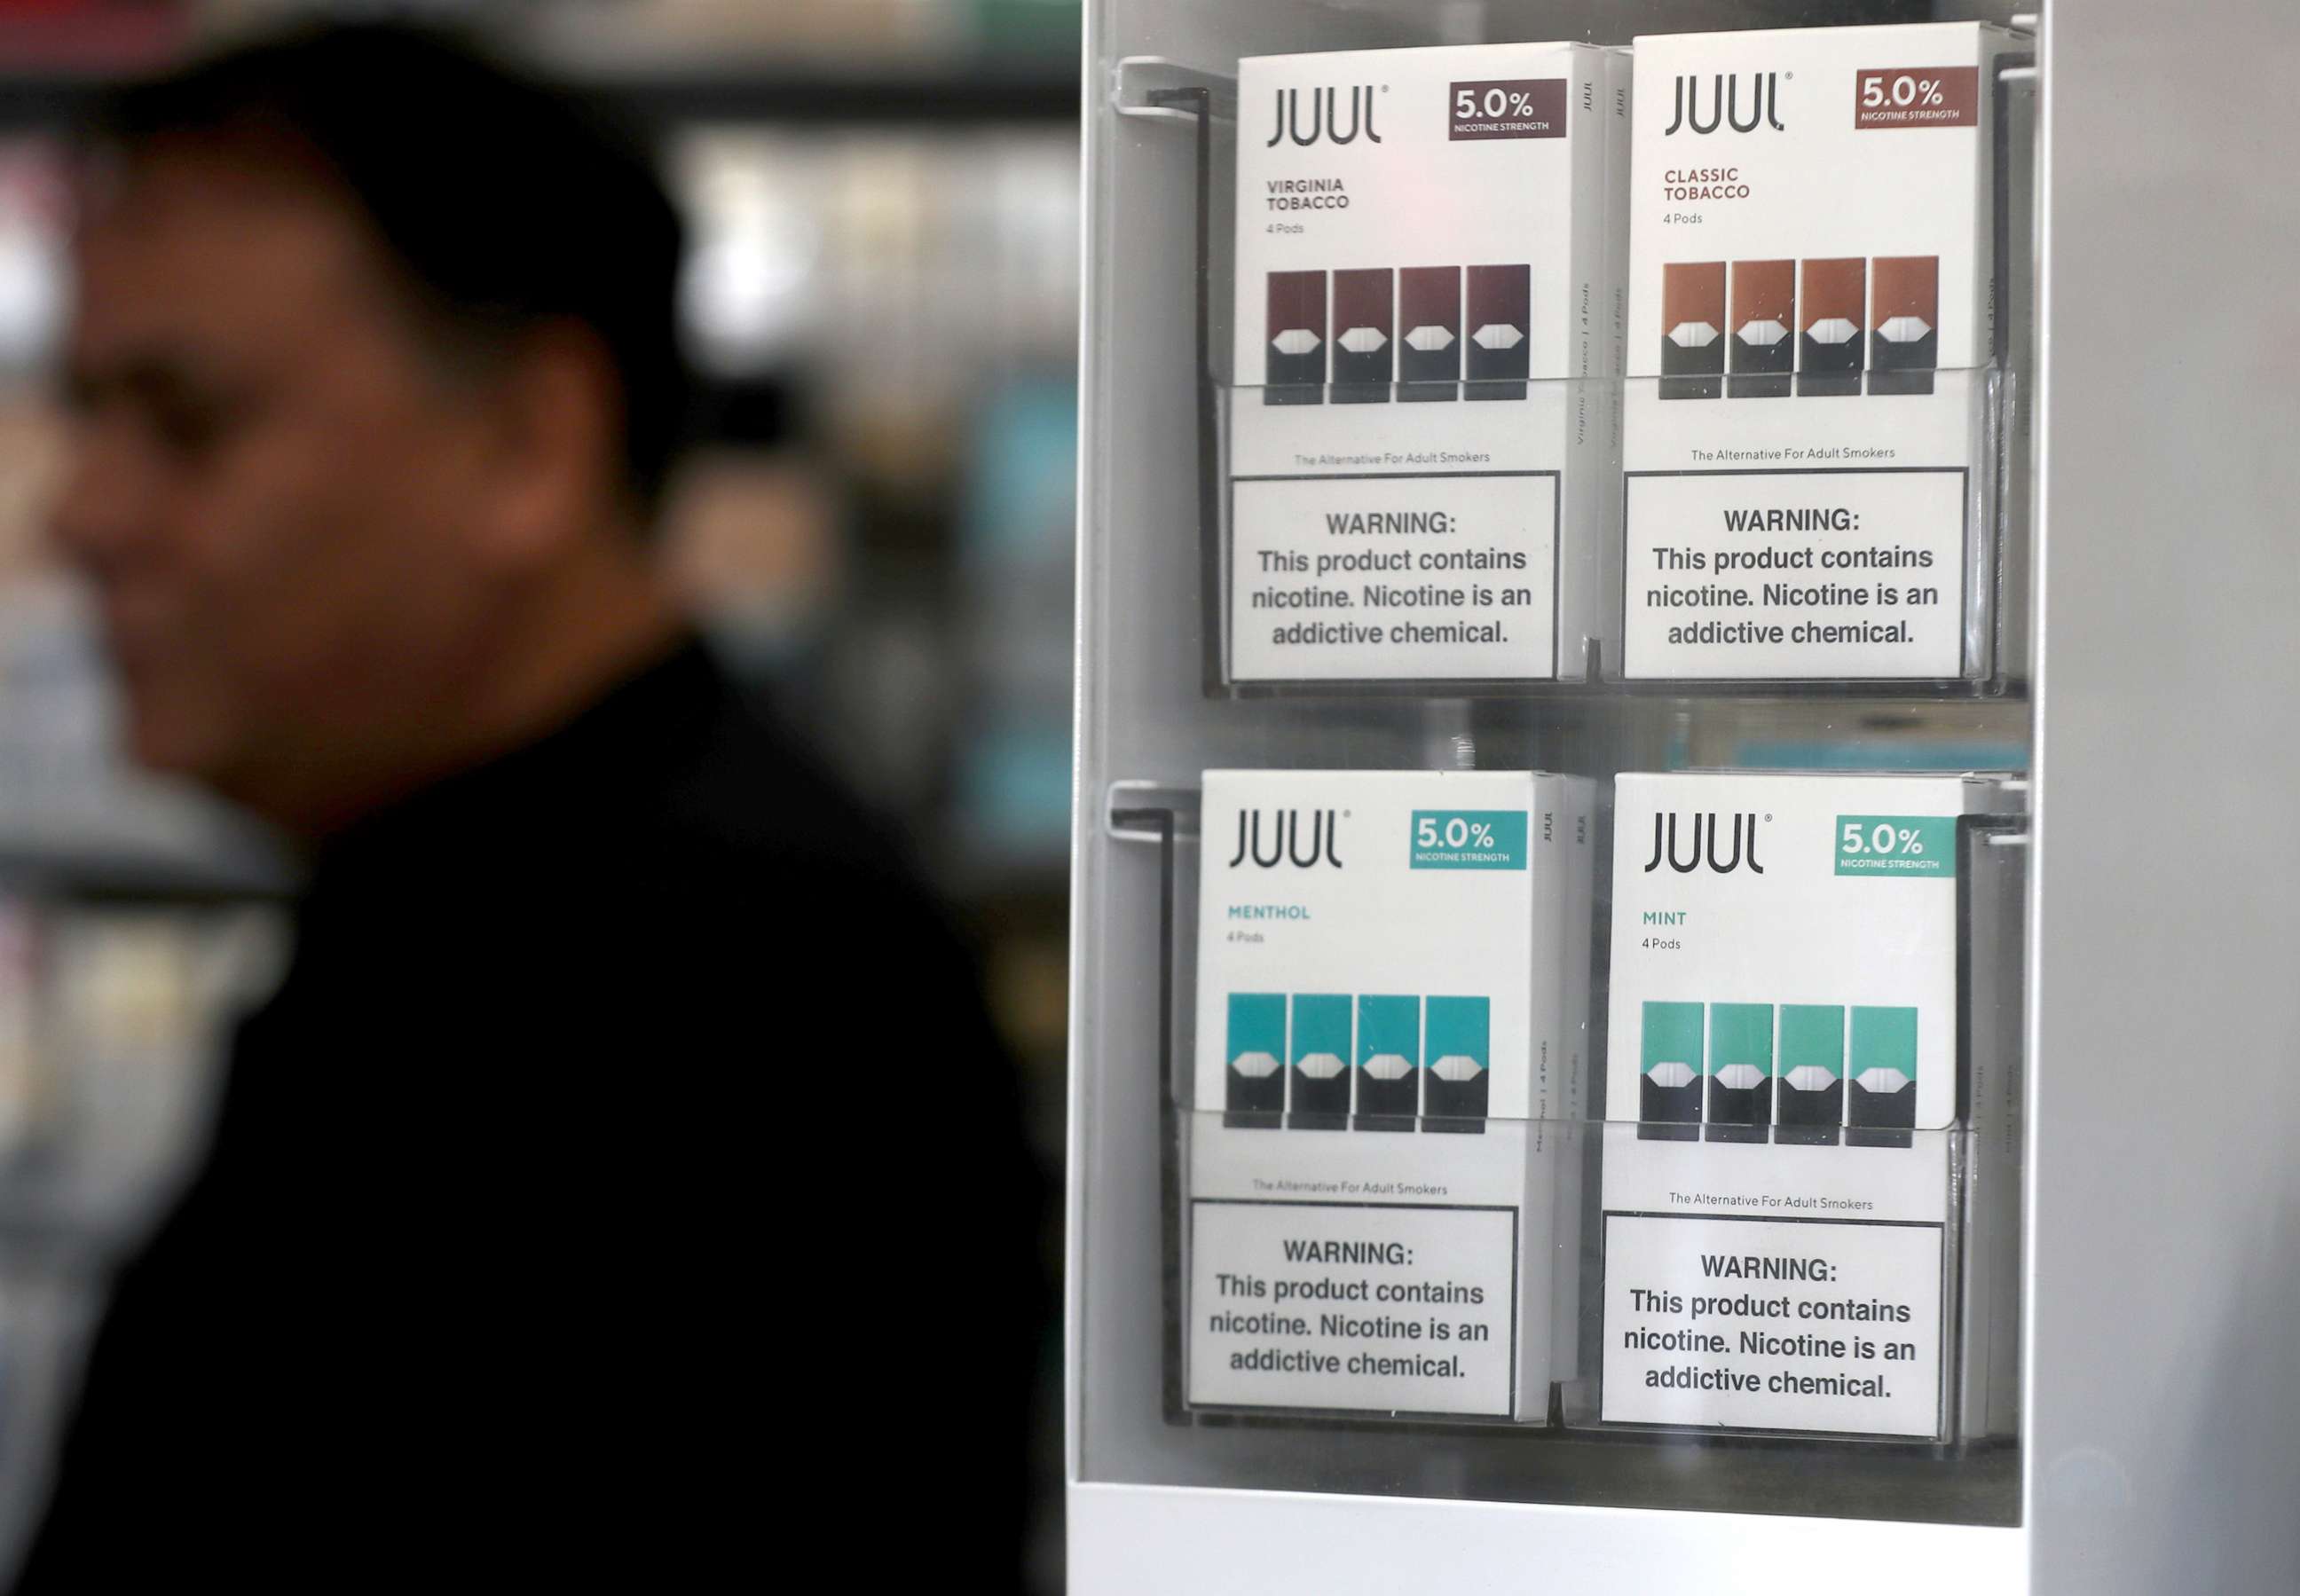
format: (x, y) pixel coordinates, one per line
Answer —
(1761, 352)
(1363, 344)
(1904, 324)
(1294, 347)
(1429, 348)
(1692, 328)
(1831, 346)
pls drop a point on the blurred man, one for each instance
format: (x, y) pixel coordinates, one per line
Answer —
(623, 1183)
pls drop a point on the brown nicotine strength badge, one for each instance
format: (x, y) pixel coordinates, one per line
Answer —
(1916, 97)
(1508, 108)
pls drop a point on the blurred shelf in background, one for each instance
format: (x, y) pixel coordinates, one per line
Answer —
(662, 61)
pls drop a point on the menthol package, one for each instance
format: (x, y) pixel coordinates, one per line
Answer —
(1421, 442)
(1781, 1232)
(1813, 311)
(1384, 1024)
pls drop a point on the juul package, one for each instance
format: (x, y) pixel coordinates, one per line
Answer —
(1811, 313)
(1783, 1229)
(1385, 1022)
(1421, 460)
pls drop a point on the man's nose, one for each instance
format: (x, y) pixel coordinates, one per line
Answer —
(105, 506)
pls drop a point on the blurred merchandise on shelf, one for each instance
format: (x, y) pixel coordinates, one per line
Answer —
(752, 540)
(1990, 734)
(1016, 571)
(897, 265)
(673, 28)
(1048, 28)
(32, 201)
(904, 574)
(137, 1003)
(112, 1018)
(20, 1042)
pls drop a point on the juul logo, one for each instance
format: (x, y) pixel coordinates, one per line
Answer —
(1726, 101)
(1325, 116)
(1286, 840)
(1702, 844)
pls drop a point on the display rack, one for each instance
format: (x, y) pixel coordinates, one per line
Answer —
(1973, 1467)
(1155, 90)
(1484, 717)
(2073, 682)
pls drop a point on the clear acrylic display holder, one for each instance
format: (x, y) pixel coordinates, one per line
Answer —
(1161, 702)
(1539, 1429)
(1578, 657)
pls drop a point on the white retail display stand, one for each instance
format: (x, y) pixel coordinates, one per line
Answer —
(2140, 662)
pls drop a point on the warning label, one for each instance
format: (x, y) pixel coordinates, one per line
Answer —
(1388, 577)
(1794, 574)
(1339, 1305)
(1773, 1324)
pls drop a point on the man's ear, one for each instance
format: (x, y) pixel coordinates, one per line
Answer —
(554, 450)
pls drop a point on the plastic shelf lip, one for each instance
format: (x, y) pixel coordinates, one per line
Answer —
(1147, 85)
(1989, 673)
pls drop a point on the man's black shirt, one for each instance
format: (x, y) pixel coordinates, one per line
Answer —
(623, 1183)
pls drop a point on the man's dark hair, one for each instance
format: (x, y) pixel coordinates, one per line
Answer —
(509, 206)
